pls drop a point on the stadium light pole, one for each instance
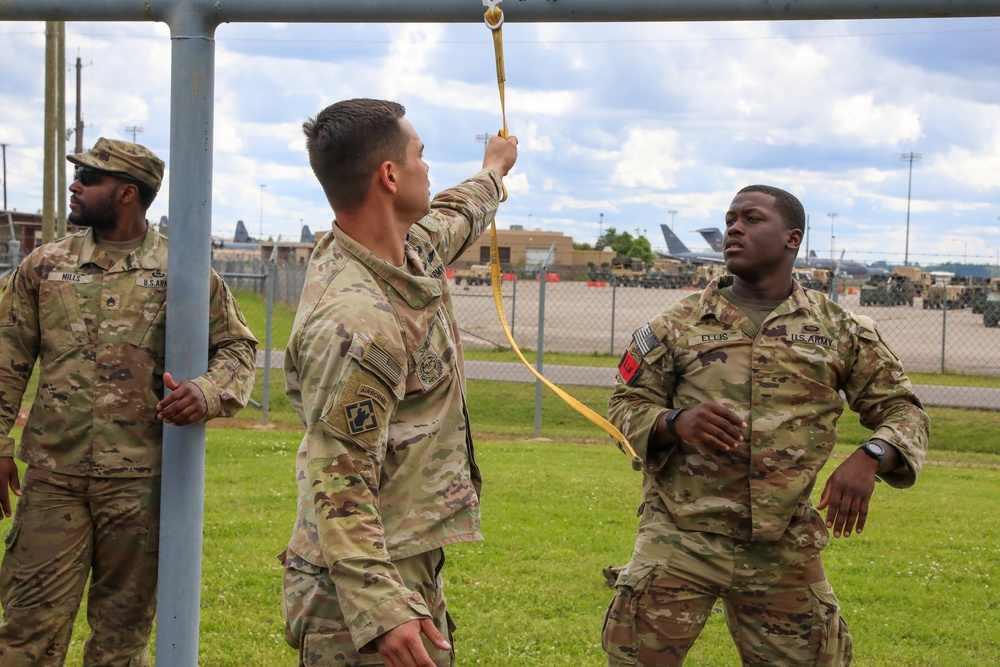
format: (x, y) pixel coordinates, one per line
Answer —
(833, 217)
(910, 157)
(672, 214)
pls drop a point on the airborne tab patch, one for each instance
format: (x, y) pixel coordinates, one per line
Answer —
(361, 416)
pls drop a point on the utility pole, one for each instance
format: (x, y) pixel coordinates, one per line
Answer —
(5, 175)
(832, 218)
(49, 139)
(908, 157)
(600, 231)
(672, 214)
(134, 129)
(484, 139)
(79, 108)
(807, 239)
(61, 163)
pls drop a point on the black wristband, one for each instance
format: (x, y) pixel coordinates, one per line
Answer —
(671, 420)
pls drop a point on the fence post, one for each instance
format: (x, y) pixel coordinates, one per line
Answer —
(944, 324)
(513, 304)
(540, 355)
(614, 292)
(543, 276)
(272, 275)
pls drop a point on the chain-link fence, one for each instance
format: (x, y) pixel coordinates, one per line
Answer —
(942, 334)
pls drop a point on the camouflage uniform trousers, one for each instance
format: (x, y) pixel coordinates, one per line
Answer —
(315, 625)
(780, 608)
(65, 529)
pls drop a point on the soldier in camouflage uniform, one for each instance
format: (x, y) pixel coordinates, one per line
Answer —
(374, 368)
(91, 309)
(731, 397)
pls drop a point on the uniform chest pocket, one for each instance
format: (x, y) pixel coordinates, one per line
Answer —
(435, 359)
(66, 316)
(148, 318)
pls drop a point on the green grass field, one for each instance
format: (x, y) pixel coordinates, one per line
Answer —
(920, 587)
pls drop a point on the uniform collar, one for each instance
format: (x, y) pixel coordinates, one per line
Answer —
(713, 304)
(417, 289)
(143, 257)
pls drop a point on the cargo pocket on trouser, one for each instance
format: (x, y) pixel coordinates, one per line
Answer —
(619, 638)
(831, 641)
(334, 649)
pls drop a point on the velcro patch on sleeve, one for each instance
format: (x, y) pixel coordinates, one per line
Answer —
(645, 340)
(629, 368)
(360, 410)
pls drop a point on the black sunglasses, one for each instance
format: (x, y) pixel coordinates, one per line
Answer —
(89, 176)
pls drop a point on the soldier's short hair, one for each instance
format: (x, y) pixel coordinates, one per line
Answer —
(788, 204)
(347, 141)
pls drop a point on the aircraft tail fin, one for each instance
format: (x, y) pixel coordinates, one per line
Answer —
(674, 245)
(714, 238)
(241, 235)
(307, 235)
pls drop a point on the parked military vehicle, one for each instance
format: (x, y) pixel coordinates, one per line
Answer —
(628, 271)
(915, 275)
(808, 279)
(888, 290)
(991, 309)
(944, 295)
(477, 274)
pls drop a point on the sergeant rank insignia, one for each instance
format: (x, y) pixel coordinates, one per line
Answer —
(361, 416)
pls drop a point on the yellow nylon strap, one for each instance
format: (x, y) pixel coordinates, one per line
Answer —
(494, 19)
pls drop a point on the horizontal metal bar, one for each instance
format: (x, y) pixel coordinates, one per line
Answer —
(468, 11)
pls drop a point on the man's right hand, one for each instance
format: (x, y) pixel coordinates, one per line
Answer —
(402, 646)
(710, 425)
(501, 154)
(8, 479)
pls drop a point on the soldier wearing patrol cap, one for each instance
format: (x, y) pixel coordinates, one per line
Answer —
(731, 397)
(90, 308)
(374, 368)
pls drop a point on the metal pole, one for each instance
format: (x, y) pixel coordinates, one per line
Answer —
(4, 175)
(513, 303)
(272, 274)
(49, 138)
(944, 323)
(61, 163)
(909, 157)
(614, 293)
(183, 488)
(540, 356)
(79, 110)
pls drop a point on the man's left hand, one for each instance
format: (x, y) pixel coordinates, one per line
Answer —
(847, 492)
(185, 404)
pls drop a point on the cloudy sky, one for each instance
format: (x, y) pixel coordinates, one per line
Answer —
(631, 121)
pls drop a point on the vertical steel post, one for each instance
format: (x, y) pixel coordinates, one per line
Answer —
(614, 294)
(540, 356)
(192, 83)
(944, 324)
(272, 274)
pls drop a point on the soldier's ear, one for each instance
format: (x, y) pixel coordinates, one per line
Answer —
(793, 239)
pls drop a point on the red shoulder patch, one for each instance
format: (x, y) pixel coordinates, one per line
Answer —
(628, 367)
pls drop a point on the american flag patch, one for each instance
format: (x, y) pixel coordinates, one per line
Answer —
(645, 340)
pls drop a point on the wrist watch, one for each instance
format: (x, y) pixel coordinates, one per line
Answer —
(671, 421)
(874, 450)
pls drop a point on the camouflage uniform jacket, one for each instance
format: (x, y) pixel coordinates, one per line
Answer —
(374, 368)
(785, 383)
(97, 328)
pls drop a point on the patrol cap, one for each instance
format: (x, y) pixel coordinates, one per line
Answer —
(121, 157)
